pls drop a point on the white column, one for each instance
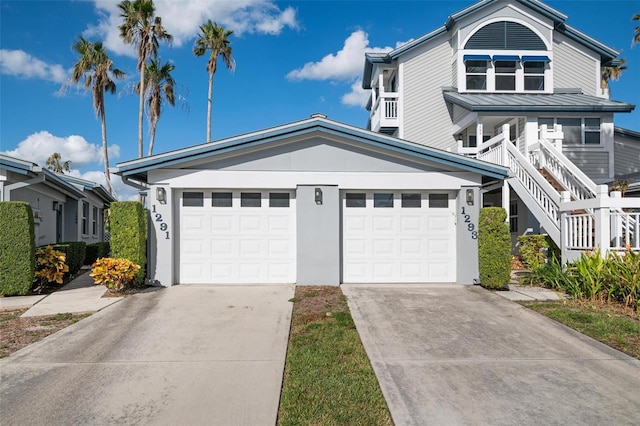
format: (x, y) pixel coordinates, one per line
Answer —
(565, 197)
(479, 130)
(602, 221)
(505, 162)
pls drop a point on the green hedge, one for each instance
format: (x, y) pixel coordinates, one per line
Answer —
(17, 248)
(536, 250)
(494, 248)
(128, 234)
(96, 251)
(75, 252)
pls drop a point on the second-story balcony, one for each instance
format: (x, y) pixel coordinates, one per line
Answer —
(384, 116)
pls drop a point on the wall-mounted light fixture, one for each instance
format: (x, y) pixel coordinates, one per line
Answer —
(470, 197)
(161, 195)
(56, 205)
(318, 196)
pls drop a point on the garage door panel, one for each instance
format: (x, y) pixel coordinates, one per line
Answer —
(410, 241)
(229, 243)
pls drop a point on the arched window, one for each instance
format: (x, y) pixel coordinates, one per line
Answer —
(505, 35)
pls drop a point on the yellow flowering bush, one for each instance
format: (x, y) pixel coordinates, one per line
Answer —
(50, 265)
(115, 274)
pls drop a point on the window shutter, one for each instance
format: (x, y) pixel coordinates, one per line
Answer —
(505, 35)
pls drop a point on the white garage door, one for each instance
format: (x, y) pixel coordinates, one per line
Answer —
(398, 237)
(237, 237)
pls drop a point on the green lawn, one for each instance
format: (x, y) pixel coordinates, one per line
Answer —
(610, 326)
(328, 378)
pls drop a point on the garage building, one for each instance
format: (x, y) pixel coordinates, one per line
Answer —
(311, 202)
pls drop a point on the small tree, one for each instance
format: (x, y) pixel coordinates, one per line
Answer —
(494, 248)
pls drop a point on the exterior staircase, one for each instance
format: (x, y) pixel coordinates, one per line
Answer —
(575, 212)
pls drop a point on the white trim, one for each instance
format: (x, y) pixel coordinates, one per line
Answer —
(179, 178)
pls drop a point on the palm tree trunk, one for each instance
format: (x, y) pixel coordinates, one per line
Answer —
(105, 154)
(209, 102)
(154, 123)
(141, 111)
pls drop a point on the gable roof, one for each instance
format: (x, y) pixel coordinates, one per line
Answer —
(90, 186)
(559, 19)
(317, 124)
(556, 102)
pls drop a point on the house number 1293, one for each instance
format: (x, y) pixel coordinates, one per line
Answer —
(470, 226)
(157, 217)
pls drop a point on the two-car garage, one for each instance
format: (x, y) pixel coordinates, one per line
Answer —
(311, 202)
(249, 236)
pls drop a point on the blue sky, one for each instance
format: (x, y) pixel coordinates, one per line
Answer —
(293, 59)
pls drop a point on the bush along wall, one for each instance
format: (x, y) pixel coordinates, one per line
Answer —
(128, 235)
(494, 248)
(537, 250)
(75, 252)
(96, 251)
(17, 248)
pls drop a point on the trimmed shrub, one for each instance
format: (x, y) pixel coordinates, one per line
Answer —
(128, 234)
(533, 250)
(494, 248)
(75, 252)
(116, 274)
(17, 248)
(95, 251)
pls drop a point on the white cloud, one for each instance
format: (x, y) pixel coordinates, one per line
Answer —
(22, 64)
(357, 96)
(182, 19)
(39, 146)
(344, 65)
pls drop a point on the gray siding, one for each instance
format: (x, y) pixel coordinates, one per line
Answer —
(626, 156)
(594, 164)
(572, 69)
(426, 119)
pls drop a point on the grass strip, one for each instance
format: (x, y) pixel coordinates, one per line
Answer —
(328, 379)
(601, 322)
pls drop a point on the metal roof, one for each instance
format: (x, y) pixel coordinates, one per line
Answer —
(88, 185)
(556, 102)
(317, 124)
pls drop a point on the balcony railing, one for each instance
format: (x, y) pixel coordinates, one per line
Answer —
(384, 113)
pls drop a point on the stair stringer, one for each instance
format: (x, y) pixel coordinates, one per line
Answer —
(550, 226)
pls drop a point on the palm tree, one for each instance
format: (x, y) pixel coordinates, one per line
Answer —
(144, 30)
(95, 66)
(160, 89)
(612, 72)
(636, 36)
(53, 163)
(216, 39)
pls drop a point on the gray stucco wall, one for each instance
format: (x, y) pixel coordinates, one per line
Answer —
(467, 236)
(318, 236)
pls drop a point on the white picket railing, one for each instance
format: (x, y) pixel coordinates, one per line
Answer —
(613, 225)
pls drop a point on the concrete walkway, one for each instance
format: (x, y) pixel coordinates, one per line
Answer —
(185, 355)
(79, 296)
(462, 355)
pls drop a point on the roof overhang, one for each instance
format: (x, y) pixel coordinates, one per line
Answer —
(93, 187)
(316, 125)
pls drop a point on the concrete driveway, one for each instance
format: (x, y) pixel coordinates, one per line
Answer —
(186, 355)
(461, 355)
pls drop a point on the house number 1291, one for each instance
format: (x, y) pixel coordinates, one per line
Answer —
(470, 226)
(157, 217)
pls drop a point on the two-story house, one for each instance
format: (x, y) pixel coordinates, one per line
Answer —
(514, 68)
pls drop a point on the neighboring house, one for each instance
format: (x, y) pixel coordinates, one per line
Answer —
(511, 71)
(64, 208)
(312, 202)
